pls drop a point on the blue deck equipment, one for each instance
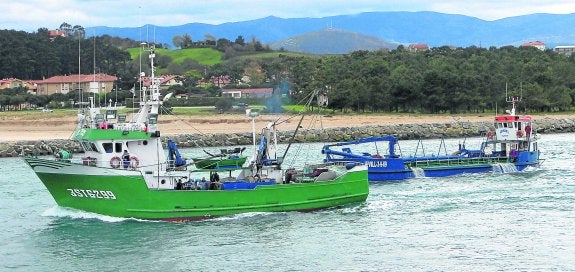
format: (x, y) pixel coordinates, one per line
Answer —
(174, 154)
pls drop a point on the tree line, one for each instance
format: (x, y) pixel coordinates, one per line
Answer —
(36, 55)
(229, 48)
(440, 80)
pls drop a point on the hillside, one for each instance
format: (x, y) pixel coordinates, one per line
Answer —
(204, 56)
(435, 29)
(331, 41)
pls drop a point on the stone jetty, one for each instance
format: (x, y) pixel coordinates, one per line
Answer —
(455, 129)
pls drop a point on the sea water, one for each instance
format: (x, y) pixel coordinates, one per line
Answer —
(481, 222)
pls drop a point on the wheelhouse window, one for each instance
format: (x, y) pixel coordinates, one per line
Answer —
(88, 146)
(118, 147)
(108, 147)
(110, 114)
(121, 118)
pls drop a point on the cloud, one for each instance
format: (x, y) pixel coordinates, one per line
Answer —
(30, 15)
(498, 9)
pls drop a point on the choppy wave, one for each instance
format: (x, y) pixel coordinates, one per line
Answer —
(477, 222)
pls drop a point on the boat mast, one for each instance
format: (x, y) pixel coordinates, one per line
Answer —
(253, 115)
(149, 96)
(513, 100)
(299, 123)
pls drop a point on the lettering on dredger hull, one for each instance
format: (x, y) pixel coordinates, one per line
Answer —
(91, 194)
(376, 163)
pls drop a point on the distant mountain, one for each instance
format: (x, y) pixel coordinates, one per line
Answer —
(432, 28)
(331, 41)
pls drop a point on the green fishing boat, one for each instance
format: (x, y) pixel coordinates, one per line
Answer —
(125, 172)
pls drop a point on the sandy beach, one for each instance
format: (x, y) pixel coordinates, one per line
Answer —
(46, 126)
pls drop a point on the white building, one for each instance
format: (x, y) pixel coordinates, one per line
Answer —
(567, 50)
(537, 44)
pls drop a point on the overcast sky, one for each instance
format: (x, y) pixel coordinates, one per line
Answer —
(29, 15)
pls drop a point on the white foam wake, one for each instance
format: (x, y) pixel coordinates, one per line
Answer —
(57, 211)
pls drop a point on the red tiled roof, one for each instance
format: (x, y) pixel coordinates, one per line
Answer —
(419, 46)
(535, 43)
(8, 81)
(57, 32)
(166, 79)
(79, 78)
(147, 81)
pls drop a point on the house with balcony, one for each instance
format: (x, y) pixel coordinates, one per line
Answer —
(10, 83)
(566, 50)
(95, 83)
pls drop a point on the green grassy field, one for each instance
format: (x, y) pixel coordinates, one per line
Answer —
(204, 56)
(36, 114)
(39, 114)
(210, 110)
(185, 111)
(273, 55)
(209, 56)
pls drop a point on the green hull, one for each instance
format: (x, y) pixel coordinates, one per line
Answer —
(219, 163)
(122, 193)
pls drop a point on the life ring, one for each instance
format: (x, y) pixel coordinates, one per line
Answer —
(519, 133)
(490, 134)
(134, 162)
(115, 162)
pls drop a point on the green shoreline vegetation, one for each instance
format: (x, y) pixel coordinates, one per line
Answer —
(441, 80)
(210, 111)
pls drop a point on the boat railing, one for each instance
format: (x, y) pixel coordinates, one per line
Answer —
(119, 126)
(459, 161)
(173, 165)
(114, 163)
(342, 163)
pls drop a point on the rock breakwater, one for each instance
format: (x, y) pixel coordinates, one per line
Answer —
(454, 129)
